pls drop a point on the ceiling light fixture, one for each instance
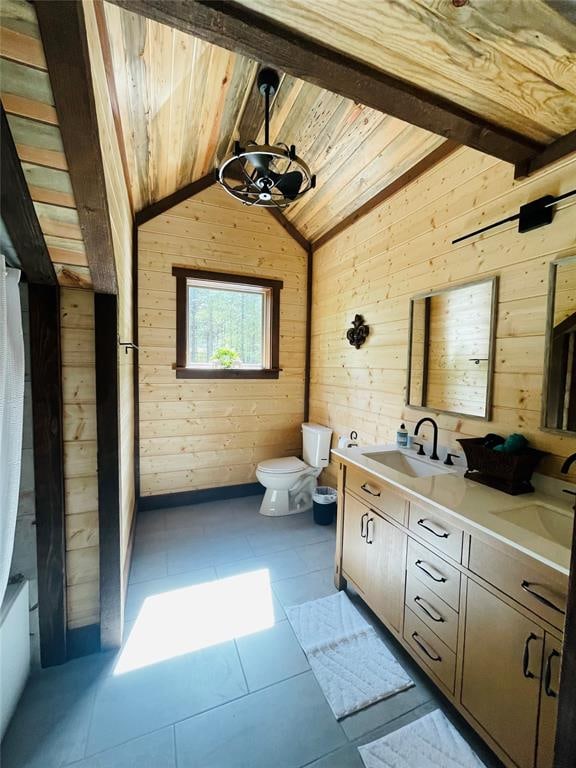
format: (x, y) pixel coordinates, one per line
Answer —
(266, 175)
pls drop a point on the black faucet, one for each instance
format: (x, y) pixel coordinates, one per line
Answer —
(434, 454)
(568, 463)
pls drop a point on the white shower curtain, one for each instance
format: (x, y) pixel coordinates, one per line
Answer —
(11, 412)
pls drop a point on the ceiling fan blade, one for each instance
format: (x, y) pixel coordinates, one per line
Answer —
(260, 161)
(288, 184)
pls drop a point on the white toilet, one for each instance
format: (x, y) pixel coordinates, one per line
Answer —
(290, 482)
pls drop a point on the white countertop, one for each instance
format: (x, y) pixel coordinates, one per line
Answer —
(475, 504)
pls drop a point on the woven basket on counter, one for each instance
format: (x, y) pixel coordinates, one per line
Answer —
(506, 472)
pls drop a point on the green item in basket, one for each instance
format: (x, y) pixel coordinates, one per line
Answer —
(513, 444)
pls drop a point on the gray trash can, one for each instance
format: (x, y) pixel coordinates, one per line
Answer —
(324, 505)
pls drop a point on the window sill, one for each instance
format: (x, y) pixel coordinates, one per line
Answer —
(227, 373)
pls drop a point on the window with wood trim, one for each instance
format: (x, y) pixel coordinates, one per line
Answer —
(227, 326)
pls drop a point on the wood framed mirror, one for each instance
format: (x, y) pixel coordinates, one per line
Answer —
(451, 349)
(559, 390)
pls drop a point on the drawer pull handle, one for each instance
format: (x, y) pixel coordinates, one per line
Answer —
(363, 532)
(443, 535)
(548, 676)
(365, 487)
(441, 580)
(371, 539)
(422, 605)
(526, 655)
(527, 587)
(422, 647)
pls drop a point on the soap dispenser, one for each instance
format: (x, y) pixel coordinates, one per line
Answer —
(402, 437)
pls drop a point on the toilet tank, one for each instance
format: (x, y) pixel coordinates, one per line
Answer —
(316, 445)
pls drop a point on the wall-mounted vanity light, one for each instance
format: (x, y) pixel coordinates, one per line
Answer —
(531, 216)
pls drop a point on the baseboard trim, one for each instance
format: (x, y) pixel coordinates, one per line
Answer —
(183, 498)
(83, 641)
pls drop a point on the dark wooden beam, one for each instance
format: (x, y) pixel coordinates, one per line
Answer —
(308, 349)
(289, 227)
(19, 215)
(558, 149)
(63, 32)
(236, 28)
(428, 162)
(136, 363)
(47, 410)
(109, 504)
(182, 194)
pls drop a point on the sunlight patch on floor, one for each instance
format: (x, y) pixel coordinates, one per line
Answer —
(182, 621)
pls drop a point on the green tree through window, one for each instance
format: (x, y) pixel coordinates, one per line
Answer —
(225, 318)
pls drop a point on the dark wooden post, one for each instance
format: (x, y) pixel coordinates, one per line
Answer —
(109, 505)
(46, 372)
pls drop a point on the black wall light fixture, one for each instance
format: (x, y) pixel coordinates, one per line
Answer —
(531, 216)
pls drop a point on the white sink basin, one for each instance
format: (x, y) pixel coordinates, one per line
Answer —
(552, 524)
(407, 465)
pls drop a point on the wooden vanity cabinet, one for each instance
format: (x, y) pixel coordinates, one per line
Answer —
(548, 701)
(354, 550)
(502, 666)
(374, 558)
(483, 621)
(386, 570)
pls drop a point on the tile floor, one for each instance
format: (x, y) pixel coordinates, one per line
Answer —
(210, 674)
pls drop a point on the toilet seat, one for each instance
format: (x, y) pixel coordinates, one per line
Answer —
(284, 466)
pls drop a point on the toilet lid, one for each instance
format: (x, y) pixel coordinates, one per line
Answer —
(282, 466)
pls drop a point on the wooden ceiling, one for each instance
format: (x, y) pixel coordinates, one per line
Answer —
(29, 104)
(182, 102)
(511, 62)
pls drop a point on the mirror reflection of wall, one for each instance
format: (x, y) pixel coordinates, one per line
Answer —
(559, 411)
(451, 349)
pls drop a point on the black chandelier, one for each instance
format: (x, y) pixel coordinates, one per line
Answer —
(266, 175)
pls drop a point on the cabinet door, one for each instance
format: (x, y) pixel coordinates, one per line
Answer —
(548, 702)
(501, 673)
(385, 569)
(354, 540)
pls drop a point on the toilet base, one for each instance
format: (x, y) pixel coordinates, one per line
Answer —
(279, 503)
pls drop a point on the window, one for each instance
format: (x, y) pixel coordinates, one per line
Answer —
(227, 326)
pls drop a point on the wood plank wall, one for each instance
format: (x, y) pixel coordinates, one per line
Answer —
(402, 248)
(201, 433)
(121, 220)
(80, 462)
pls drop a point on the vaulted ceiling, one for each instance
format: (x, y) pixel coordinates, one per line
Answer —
(180, 102)
(183, 102)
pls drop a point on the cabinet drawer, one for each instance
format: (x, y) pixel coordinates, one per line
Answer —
(535, 586)
(376, 494)
(433, 611)
(434, 653)
(436, 531)
(435, 573)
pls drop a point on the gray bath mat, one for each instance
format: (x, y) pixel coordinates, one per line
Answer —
(352, 665)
